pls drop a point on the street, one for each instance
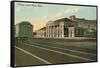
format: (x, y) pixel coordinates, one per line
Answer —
(40, 51)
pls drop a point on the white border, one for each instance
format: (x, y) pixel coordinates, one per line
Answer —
(5, 34)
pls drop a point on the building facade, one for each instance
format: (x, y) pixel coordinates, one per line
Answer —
(65, 27)
(24, 30)
(41, 33)
(71, 27)
(68, 27)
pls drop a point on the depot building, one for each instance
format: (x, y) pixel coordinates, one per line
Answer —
(68, 27)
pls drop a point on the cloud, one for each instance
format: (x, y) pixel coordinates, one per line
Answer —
(66, 11)
(71, 9)
(59, 14)
(44, 17)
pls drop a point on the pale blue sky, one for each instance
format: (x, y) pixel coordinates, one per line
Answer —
(40, 15)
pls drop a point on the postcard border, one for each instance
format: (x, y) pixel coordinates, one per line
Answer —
(12, 40)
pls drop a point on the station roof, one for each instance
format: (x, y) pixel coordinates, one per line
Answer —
(65, 19)
(41, 29)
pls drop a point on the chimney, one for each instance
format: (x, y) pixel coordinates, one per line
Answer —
(72, 17)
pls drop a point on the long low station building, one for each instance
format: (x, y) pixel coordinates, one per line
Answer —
(68, 27)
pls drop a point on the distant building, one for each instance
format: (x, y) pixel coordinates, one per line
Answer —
(24, 30)
(41, 33)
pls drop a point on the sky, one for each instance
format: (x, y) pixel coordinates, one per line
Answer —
(39, 14)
